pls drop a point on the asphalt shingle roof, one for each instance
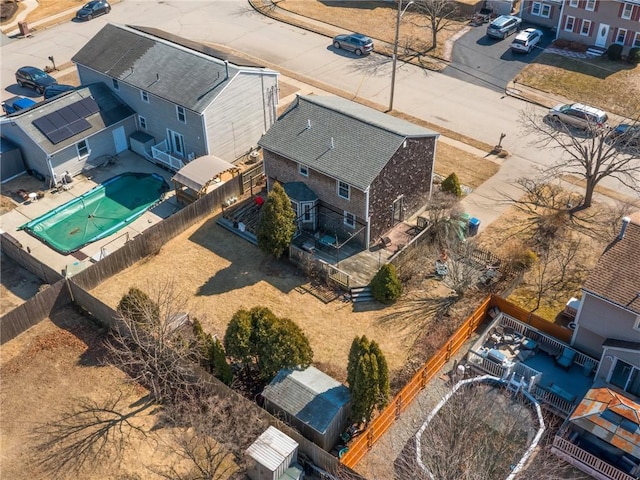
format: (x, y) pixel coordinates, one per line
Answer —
(616, 276)
(183, 72)
(339, 138)
(112, 110)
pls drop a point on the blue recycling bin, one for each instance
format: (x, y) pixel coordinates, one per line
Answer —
(474, 225)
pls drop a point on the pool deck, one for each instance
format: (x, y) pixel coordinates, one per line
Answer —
(26, 211)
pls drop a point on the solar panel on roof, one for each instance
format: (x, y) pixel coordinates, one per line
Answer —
(67, 121)
(91, 105)
(59, 135)
(78, 126)
(44, 125)
(78, 110)
(57, 119)
(68, 115)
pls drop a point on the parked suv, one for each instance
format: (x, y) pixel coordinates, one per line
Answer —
(526, 40)
(354, 42)
(579, 115)
(503, 26)
(34, 78)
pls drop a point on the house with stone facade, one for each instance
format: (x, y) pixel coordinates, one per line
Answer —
(350, 171)
(594, 23)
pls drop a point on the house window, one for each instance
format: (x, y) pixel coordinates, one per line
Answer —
(586, 27)
(145, 96)
(303, 170)
(307, 213)
(627, 10)
(591, 5)
(626, 377)
(540, 10)
(535, 8)
(569, 23)
(621, 36)
(573, 3)
(116, 84)
(349, 219)
(344, 190)
(83, 149)
(636, 41)
(182, 114)
(142, 122)
(546, 11)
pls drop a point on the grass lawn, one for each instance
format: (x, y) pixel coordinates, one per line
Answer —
(613, 86)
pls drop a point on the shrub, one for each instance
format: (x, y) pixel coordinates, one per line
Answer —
(451, 184)
(136, 305)
(527, 258)
(634, 56)
(614, 52)
(386, 286)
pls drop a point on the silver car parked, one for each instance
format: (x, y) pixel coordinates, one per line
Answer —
(354, 42)
(579, 115)
(503, 26)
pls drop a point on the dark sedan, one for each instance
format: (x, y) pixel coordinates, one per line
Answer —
(55, 90)
(93, 9)
(626, 136)
(35, 78)
(354, 42)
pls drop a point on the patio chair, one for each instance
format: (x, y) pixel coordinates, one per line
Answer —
(566, 357)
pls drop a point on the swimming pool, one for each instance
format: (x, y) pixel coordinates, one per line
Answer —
(98, 213)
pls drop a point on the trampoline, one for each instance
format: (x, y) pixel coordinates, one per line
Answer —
(98, 213)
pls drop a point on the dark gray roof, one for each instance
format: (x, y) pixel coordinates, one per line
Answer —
(112, 110)
(178, 72)
(310, 395)
(300, 192)
(623, 344)
(339, 138)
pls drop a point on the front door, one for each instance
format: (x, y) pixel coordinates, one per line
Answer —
(176, 141)
(398, 210)
(603, 33)
(120, 139)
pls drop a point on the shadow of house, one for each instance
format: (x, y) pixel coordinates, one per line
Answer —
(312, 402)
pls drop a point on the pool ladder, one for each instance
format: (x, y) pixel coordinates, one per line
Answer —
(516, 383)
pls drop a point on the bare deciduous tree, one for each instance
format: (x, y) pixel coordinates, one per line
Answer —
(439, 14)
(592, 156)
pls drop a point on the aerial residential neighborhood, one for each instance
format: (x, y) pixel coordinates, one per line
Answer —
(281, 240)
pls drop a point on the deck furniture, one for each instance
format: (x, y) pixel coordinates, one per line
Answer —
(528, 344)
(550, 349)
(566, 357)
(562, 393)
(328, 240)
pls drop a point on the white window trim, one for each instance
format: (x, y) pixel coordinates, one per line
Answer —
(303, 170)
(141, 121)
(307, 210)
(86, 144)
(566, 22)
(115, 83)
(636, 43)
(573, 3)
(181, 112)
(628, 17)
(349, 216)
(624, 38)
(338, 184)
(535, 5)
(593, 5)
(546, 11)
(144, 96)
(587, 23)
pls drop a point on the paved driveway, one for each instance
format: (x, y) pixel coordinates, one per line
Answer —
(488, 62)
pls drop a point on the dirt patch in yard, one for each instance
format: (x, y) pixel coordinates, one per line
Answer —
(17, 285)
(221, 274)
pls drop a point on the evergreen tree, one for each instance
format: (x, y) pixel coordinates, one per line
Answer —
(277, 223)
(221, 368)
(136, 305)
(451, 184)
(384, 388)
(385, 285)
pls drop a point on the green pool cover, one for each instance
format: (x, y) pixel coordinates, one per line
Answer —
(98, 213)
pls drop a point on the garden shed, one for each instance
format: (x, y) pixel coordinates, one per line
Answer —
(273, 456)
(194, 179)
(317, 405)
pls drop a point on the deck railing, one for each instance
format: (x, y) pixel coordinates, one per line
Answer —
(161, 154)
(581, 458)
(476, 360)
(561, 406)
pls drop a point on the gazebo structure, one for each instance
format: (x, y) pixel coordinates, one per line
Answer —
(194, 179)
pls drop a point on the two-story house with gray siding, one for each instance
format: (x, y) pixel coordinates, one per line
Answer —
(598, 23)
(72, 132)
(190, 99)
(353, 171)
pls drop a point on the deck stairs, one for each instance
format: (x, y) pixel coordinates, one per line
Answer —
(594, 51)
(361, 294)
(516, 383)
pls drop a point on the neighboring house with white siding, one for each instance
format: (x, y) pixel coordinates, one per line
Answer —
(598, 23)
(72, 132)
(190, 99)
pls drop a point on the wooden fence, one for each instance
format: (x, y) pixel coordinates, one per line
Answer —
(13, 249)
(154, 238)
(33, 311)
(362, 444)
(252, 178)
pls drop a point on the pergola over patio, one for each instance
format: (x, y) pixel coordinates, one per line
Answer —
(194, 179)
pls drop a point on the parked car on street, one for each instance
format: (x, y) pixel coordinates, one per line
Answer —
(526, 40)
(503, 26)
(93, 9)
(15, 104)
(354, 42)
(56, 89)
(626, 136)
(579, 115)
(35, 78)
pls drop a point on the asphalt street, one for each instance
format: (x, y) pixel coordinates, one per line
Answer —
(473, 110)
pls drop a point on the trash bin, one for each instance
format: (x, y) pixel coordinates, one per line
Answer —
(24, 29)
(463, 219)
(474, 224)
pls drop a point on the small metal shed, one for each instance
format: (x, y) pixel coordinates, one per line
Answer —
(271, 455)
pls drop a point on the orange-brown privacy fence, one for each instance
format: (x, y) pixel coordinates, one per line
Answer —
(362, 444)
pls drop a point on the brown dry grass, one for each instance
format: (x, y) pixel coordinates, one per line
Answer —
(221, 274)
(45, 370)
(47, 8)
